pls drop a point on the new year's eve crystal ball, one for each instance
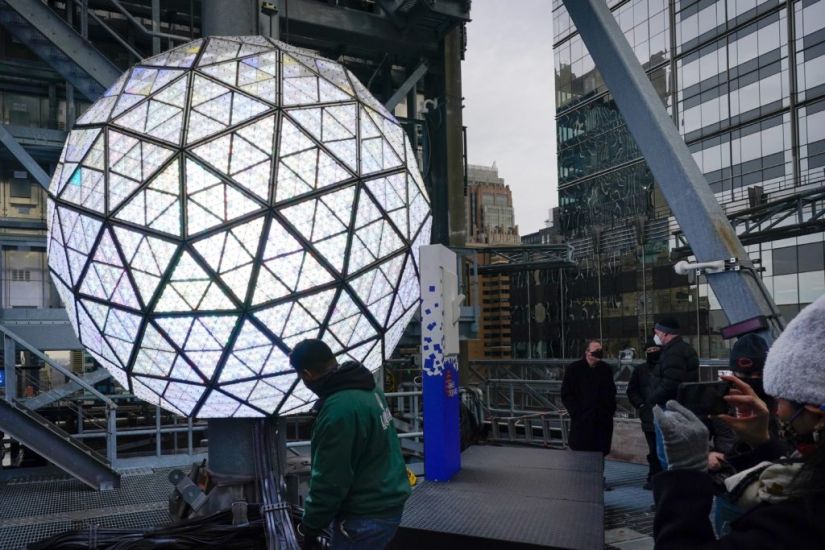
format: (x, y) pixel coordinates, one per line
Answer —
(223, 201)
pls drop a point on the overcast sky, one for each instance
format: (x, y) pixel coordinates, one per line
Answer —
(510, 102)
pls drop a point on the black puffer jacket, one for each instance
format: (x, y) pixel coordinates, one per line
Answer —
(678, 363)
(638, 389)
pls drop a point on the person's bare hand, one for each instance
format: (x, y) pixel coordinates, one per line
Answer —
(715, 461)
(752, 415)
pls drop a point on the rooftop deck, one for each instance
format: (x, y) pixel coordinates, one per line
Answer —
(39, 504)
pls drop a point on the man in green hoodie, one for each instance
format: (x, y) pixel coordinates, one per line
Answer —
(358, 479)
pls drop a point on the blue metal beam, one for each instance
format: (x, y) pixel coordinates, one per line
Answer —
(57, 43)
(683, 185)
(23, 157)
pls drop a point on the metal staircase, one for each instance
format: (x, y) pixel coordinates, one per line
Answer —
(55, 445)
(60, 392)
(21, 422)
(57, 43)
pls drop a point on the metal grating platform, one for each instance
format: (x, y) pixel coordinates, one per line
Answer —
(628, 517)
(41, 506)
(510, 497)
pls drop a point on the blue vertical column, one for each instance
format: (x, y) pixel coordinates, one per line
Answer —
(439, 354)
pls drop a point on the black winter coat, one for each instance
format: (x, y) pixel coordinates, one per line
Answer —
(589, 395)
(678, 363)
(638, 390)
(683, 502)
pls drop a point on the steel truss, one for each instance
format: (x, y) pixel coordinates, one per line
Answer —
(510, 259)
(793, 216)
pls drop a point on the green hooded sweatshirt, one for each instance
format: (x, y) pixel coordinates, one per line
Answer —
(357, 466)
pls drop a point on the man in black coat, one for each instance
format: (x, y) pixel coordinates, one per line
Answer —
(678, 363)
(589, 395)
(638, 390)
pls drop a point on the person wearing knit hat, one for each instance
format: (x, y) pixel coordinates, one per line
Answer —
(678, 362)
(746, 361)
(781, 493)
(747, 357)
(794, 367)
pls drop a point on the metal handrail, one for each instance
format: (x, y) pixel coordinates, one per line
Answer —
(111, 406)
(58, 367)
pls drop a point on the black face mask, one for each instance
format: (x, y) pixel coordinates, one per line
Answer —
(789, 433)
(314, 385)
(598, 354)
(652, 357)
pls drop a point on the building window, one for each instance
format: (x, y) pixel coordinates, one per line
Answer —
(784, 260)
(811, 258)
(811, 286)
(20, 189)
(21, 275)
(785, 289)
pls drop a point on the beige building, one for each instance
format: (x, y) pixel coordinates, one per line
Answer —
(489, 208)
(490, 222)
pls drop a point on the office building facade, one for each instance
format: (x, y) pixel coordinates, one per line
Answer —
(744, 81)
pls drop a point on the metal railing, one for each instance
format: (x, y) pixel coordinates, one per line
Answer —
(406, 407)
(548, 429)
(109, 429)
(156, 430)
(522, 398)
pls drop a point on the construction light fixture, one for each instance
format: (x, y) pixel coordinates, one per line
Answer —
(221, 202)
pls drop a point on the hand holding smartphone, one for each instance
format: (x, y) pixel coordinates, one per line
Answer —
(704, 399)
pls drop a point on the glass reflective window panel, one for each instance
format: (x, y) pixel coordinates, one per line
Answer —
(223, 201)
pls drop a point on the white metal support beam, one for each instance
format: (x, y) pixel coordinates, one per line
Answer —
(408, 85)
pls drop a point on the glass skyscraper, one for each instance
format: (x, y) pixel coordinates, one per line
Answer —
(744, 81)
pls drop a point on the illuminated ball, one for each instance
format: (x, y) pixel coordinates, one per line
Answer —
(223, 201)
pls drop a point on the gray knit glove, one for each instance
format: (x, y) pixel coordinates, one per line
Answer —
(685, 437)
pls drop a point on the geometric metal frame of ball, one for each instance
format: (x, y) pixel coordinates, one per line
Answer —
(223, 201)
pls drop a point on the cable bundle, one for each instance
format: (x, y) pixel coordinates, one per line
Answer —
(215, 531)
(280, 533)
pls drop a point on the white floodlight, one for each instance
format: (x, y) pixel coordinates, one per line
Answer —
(223, 201)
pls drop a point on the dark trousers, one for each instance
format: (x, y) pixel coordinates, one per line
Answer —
(652, 457)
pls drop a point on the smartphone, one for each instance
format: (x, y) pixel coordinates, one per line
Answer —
(704, 398)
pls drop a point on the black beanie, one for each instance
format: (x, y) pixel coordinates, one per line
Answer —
(668, 325)
(748, 354)
(310, 354)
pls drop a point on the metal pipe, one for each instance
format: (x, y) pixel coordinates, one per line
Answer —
(189, 431)
(84, 19)
(157, 430)
(111, 434)
(529, 318)
(93, 434)
(561, 309)
(9, 364)
(406, 435)
(403, 394)
(155, 27)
